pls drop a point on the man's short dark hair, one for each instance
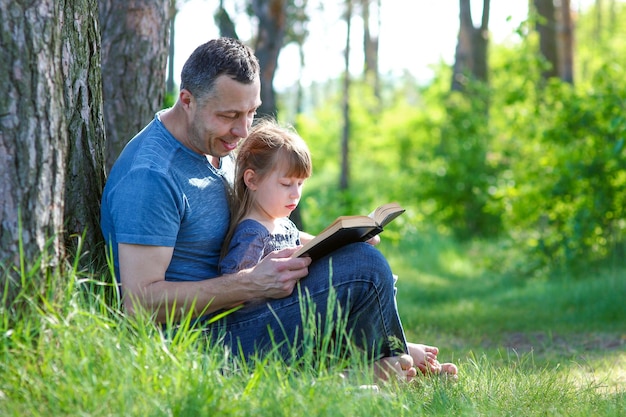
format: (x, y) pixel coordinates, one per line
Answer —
(218, 57)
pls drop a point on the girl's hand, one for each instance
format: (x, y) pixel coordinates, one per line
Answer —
(374, 240)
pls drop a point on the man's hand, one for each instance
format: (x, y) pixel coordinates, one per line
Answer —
(142, 274)
(277, 274)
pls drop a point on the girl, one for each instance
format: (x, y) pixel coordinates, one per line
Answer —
(272, 165)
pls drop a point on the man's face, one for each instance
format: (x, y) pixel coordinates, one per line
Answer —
(218, 124)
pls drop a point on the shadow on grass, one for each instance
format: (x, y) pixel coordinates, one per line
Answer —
(462, 299)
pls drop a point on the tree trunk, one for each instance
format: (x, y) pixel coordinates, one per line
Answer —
(85, 171)
(272, 17)
(370, 47)
(481, 44)
(134, 56)
(599, 23)
(224, 22)
(612, 17)
(51, 116)
(345, 135)
(546, 28)
(566, 69)
(472, 47)
(170, 85)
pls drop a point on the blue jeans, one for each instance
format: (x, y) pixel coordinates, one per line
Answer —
(364, 288)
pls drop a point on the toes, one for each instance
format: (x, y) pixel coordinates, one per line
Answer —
(449, 368)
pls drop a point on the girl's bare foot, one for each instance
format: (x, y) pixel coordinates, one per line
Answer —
(449, 370)
(399, 366)
(425, 359)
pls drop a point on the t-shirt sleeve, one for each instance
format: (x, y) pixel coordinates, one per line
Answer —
(246, 249)
(146, 209)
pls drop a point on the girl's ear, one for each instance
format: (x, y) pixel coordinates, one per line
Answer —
(249, 178)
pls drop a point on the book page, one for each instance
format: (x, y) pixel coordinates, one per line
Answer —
(386, 213)
(349, 229)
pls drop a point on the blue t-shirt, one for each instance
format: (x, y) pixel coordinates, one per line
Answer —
(252, 241)
(161, 193)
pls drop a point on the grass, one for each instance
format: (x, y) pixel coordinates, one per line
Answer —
(558, 327)
(533, 347)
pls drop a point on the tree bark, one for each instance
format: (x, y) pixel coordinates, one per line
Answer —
(344, 180)
(481, 44)
(50, 116)
(546, 28)
(472, 47)
(272, 15)
(370, 46)
(85, 171)
(134, 56)
(566, 59)
(170, 85)
(224, 22)
(34, 131)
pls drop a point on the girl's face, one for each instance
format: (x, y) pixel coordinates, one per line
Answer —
(276, 195)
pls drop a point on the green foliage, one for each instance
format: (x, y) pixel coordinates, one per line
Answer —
(600, 40)
(564, 193)
(559, 146)
(462, 176)
(169, 100)
(429, 154)
(541, 162)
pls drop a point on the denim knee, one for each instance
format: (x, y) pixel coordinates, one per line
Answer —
(365, 287)
(358, 261)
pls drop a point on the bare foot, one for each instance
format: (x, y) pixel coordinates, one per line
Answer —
(449, 370)
(399, 366)
(425, 359)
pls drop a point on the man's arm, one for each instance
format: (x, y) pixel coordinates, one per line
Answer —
(142, 274)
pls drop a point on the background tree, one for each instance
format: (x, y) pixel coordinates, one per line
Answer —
(279, 22)
(470, 59)
(601, 24)
(297, 32)
(170, 84)
(224, 22)
(566, 40)
(85, 171)
(51, 158)
(370, 44)
(462, 175)
(134, 56)
(546, 27)
(345, 133)
(270, 38)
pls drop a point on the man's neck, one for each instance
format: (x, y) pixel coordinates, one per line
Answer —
(170, 119)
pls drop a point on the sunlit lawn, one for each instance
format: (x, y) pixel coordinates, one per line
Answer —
(530, 347)
(573, 327)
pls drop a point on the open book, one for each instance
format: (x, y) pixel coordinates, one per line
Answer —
(350, 229)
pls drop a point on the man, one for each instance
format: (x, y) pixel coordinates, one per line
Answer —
(165, 214)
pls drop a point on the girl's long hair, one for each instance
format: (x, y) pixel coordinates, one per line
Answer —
(269, 146)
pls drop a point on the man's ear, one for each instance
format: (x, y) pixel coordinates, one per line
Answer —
(185, 97)
(249, 178)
